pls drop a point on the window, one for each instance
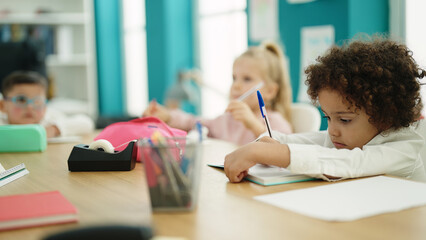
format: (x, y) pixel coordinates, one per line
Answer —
(222, 36)
(134, 40)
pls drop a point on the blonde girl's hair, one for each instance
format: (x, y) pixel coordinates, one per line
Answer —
(275, 69)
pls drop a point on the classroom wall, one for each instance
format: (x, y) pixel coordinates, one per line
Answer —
(368, 16)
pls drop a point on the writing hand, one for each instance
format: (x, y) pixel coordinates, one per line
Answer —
(267, 139)
(239, 161)
(267, 151)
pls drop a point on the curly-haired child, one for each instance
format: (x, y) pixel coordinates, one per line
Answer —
(369, 92)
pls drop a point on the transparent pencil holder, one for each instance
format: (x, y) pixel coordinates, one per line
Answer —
(172, 170)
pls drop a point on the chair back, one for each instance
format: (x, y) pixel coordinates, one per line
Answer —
(305, 117)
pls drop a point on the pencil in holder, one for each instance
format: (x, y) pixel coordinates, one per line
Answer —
(172, 169)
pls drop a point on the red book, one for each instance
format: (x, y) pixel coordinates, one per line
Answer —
(36, 209)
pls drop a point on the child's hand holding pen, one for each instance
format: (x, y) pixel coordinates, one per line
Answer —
(157, 110)
(240, 111)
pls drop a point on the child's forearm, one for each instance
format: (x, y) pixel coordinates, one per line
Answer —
(273, 154)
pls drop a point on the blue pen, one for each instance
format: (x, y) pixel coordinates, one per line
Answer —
(263, 111)
(199, 130)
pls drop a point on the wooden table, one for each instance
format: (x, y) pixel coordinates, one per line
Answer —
(224, 210)
(100, 197)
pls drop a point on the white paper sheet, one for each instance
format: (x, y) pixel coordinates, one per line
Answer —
(347, 201)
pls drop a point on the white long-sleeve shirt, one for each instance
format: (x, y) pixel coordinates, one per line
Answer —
(395, 153)
(77, 124)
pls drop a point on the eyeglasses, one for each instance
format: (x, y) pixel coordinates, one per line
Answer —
(22, 101)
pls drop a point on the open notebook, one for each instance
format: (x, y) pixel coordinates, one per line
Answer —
(270, 175)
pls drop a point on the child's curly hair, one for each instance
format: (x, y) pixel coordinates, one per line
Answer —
(377, 75)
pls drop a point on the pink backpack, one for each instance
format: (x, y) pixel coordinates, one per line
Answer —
(121, 133)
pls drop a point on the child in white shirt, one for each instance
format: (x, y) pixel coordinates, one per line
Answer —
(24, 102)
(370, 94)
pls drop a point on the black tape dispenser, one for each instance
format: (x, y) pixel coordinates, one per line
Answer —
(100, 156)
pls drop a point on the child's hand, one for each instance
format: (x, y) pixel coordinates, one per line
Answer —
(240, 111)
(267, 139)
(266, 151)
(157, 110)
(238, 162)
(52, 131)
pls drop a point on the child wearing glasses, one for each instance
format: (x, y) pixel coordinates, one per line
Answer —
(24, 102)
(369, 92)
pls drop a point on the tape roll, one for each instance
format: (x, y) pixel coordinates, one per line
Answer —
(102, 145)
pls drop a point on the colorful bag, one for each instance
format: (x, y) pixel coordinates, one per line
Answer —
(121, 133)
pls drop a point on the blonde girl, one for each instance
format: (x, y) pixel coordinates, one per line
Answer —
(242, 122)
